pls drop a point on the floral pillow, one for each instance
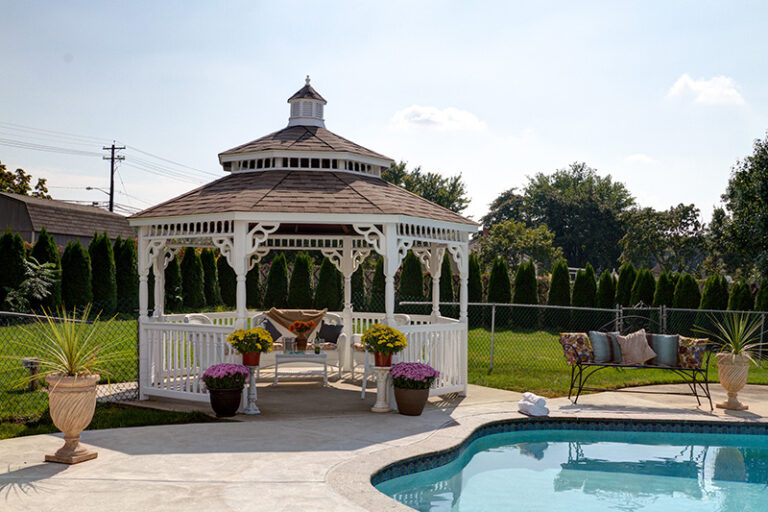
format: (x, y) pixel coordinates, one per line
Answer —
(690, 352)
(576, 344)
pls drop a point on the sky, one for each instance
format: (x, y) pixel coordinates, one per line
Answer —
(664, 96)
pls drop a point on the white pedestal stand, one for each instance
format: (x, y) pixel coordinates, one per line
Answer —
(382, 389)
(252, 408)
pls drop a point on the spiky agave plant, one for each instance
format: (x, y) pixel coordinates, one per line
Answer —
(736, 335)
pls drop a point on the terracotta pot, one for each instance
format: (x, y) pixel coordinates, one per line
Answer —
(733, 372)
(382, 359)
(411, 401)
(301, 344)
(225, 402)
(251, 358)
(72, 401)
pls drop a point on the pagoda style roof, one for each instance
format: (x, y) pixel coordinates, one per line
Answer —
(303, 138)
(318, 192)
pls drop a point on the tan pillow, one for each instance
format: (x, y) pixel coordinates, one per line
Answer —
(635, 349)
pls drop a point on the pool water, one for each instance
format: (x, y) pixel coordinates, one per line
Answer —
(587, 470)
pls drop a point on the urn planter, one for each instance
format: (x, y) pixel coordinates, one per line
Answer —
(410, 402)
(225, 402)
(72, 401)
(251, 358)
(733, 371)
(382, 359)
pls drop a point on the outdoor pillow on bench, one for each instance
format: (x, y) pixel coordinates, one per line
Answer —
(329, 332)
(665, 346)
(691, 352)
(605, 346)
(635, 349)
(576, 345)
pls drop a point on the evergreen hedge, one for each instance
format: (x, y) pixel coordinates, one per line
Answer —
(173, 289)
(192, 288)
(210, 278)
(12, 268)
(741, 297)
(300, 286)
(45, 251)
(585, 288)
(446, 288)
(525, 292)
(252, 287)
(761, 298)
(627, 275)
(643, 288)
(559, 295)
(103, 281)
(227, 281)
(664, 294)
(499, 287)
(687, 295)
(76, 276)
(276, 294)
(359, 299)
(126, 276)
(411, 279)
(474, 291)
(606, 290)
(378, 289)
(327, 289)
(715, 294)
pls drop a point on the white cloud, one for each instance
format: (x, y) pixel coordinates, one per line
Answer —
(718, 90)
(447, 119)
(640, 158)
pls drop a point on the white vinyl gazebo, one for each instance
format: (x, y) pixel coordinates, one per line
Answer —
(300, 188)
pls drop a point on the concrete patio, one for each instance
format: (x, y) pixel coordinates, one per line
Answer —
(313, 448)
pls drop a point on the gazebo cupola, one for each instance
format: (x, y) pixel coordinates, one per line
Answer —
(307, 107)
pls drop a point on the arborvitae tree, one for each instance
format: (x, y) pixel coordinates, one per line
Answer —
(585, 288)
(627, 275)
(664, 294)
(526, 292)
(276, 294)
(327, 289)
(474, 291)
(339, 291)
(210, 278)
(252, 287)
(192, 288)
(359, 300)
(126, 276)
(715, 295)
(606, 290)
(45, 251)
(643, 288)
(378, 288)
(227, 281)
(559, 295)
(75, 276)
(300, 286)
(499, 288)
(446, 280)
(151, 288)
(411, 278)
(761, 299)
(12, 268)
(173, 288)
(687, 295)
(103, 275)
(741, 297)
(675, 277)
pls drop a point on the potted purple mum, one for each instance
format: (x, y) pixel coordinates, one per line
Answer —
(412, 382)
(225, 384)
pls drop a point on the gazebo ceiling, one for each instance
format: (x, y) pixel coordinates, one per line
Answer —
(310, 192)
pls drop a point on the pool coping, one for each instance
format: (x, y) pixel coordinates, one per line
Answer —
(354, 479)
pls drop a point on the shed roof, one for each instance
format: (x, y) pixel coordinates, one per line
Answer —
(72, 219)
(283, 191)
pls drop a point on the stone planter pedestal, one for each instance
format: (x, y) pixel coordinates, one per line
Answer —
(72, 401)
(733, 372)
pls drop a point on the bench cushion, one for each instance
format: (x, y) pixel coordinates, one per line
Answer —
(635, 349)
(605, 347)
(665, 346)
(691, 352)
(576, 345)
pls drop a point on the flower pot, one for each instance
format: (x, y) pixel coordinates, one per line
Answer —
(301, 344)
(225, 402)
(411, 401)
(733, 372)
(251, 358)
(72, 401)
(382, 359)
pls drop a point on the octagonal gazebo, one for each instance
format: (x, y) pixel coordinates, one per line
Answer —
(300, 188)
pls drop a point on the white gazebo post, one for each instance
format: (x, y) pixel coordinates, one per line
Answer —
(158, 291)
(391, 263)
(239, 261)
(347, 269)
(143, 264)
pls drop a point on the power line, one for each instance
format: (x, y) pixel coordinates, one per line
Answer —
(134, 148)
(53, 132)
(46, 148)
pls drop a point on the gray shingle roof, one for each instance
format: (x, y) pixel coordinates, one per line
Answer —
(307, 92)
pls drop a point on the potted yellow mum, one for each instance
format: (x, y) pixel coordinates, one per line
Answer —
(383, 341)
(251, 343)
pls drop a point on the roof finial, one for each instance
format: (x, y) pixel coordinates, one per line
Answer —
(307, 79)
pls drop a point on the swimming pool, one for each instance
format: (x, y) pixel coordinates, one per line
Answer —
(595, 466)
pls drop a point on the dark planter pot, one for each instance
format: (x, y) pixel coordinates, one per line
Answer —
(382, 359)
(225, 402)
(301, 344)
(411, 402)
(251, 358)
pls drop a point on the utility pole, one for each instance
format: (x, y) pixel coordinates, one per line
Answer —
(112, 157)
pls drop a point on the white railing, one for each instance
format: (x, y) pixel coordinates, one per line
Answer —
(177, 354)
(442, 346)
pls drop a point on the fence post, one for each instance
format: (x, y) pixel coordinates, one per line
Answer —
(493, 332)
(617, 322)
(663, 309)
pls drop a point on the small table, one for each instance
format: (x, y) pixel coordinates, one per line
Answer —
(302, 357)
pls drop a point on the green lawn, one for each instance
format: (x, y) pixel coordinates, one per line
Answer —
(533, 361)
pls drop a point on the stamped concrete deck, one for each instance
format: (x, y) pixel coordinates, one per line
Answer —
(313, 448)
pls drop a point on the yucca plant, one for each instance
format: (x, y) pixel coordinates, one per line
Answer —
(736, 335)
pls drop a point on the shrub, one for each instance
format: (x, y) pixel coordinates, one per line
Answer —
(276, 294)
(103, 274)
(378, 291)
(627, 275)
(173, 286)
(327, 290)
(227, 281)
(643, 288)
(76, 276)
(761, 299)
(559, 295)
(585, 288)
(499, 287)
(300, 286)
(606, 290)
(252, 287)
(359, 299)
(126, 276)
(687, 295)
(411, 278)
(525, 292)
(45, 251)
(741, 297)
(210, 278)
(664, 294)
(192, 289)
(446, 280)
(12, 256)
(474, 291)
(715, 295)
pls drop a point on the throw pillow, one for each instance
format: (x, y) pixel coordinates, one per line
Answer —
(691, 352)
(271, 329)
(601, 346)
(665, 346)
(576, 347)
(330, 333)
(634, 348)
(615, 347)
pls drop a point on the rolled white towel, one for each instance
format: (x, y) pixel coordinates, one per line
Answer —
(531, 409)
(534, 399)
